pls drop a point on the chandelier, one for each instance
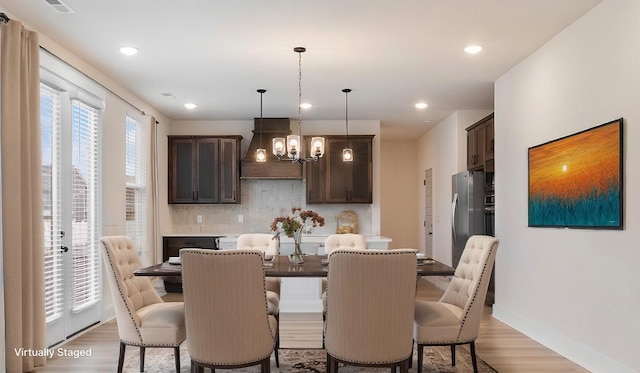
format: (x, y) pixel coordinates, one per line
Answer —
(292, 147)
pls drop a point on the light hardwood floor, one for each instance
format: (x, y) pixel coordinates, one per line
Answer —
(500, 346)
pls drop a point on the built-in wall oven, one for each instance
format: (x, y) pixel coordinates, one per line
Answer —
(489, 204)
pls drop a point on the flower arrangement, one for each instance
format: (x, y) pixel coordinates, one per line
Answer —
(293, 226)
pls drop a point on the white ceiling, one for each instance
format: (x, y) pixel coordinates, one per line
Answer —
(391, 53)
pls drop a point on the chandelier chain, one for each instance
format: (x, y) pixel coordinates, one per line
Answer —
(300, 94)
(346, 114)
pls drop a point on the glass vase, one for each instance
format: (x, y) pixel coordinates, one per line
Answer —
(297, 257)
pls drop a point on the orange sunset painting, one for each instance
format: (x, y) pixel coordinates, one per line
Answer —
(576, 181)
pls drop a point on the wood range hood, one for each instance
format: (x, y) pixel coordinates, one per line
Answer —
(272, 168)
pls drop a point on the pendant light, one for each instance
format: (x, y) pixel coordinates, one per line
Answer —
(261, 153)
(293, 144)
(347, 152)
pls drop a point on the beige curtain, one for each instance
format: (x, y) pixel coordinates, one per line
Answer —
(153, 211)
(22, 228)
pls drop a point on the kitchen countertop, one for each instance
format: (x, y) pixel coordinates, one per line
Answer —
(196, 235)
(309, 238)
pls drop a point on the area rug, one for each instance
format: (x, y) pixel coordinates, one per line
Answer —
(436, 359)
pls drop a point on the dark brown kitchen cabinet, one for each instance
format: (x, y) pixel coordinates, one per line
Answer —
(480, 143)
(204, 169)
(489, 139)
(331, 180)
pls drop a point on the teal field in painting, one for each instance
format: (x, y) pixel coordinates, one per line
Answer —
(594, 210)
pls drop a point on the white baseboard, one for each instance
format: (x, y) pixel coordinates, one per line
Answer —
(579, 354)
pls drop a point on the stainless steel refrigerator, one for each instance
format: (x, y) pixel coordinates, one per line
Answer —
(467, 210)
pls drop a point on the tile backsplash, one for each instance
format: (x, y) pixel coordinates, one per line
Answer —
(262, 200)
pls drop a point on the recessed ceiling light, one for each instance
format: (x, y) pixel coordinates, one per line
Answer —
(421, 105)
(128, 51)
(473, 49)
(190, 106)
(305, 105)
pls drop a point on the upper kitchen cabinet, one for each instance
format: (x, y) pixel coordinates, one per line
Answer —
(204, 169)
(488, 139)
(331, 180)
(480, 143)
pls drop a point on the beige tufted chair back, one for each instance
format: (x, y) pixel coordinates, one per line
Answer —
(371, 296)
(226, 308)
(130, 293)
(264, 242)
(468, 288)
(455, 319)
(349, 241)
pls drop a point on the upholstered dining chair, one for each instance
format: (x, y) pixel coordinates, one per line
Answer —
(455, 319)
(270, 246)
(333, 242)
(371, 296)
(143, 318)
(349, 241)
(228, 325)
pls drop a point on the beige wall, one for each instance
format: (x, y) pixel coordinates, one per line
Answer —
(443, 149)
(399, 212)
(574, 290)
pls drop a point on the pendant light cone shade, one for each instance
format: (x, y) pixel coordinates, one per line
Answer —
(347, 152)
(261, 153)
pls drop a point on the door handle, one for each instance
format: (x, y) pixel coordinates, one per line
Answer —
(453, 215)
(64, 249)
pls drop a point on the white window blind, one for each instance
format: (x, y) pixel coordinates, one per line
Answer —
(85, 250)
(50, 121)
(136, 180)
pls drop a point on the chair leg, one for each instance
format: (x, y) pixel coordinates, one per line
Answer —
(473, 356)
(411, 356)
(176, 353)
(121, 357)
(277, 340)
(420, 353)
(328, 363)
(453, 355)
(404, 366)
(142, 359)
(265, 367)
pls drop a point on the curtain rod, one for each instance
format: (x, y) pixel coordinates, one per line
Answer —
(95, 81)
(5, 19)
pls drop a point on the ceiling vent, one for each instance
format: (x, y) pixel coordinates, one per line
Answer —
(59, 6)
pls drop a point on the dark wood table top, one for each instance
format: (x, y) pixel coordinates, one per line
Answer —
(313, 266)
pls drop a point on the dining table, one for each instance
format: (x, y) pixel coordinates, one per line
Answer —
(313, 266)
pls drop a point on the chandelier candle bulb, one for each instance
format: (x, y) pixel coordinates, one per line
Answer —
(278, 146)
(317, 149)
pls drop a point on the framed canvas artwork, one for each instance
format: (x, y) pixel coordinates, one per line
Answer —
(576, 181)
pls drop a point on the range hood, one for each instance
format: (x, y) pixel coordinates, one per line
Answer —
(272, 168)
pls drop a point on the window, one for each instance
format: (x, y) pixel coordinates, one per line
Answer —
(84, 181)
(136, 183)
(50, 121)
